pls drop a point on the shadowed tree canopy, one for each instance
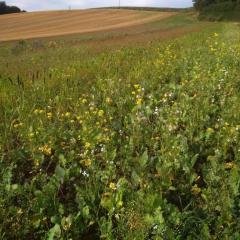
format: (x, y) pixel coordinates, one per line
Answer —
(200, 4)
(5, 9)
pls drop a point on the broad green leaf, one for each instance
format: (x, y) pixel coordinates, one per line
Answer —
(60, 172)
(143, 159)
(85, 212)
(55, 231)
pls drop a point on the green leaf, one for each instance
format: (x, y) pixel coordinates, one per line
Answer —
(194, 159)
(62, 159)
(107, 201)
(60, 172)
(113, 154)
(14, 187)
(55, 231)
(143, 159)
(85, 212)
(55, 219)
(136, 179)
(234, 181)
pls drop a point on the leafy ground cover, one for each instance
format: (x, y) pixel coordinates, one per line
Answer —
(134, 143)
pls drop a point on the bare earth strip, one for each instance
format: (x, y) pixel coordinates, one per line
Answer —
(57, 23)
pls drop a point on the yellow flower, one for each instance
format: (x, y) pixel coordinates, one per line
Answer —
(17, 125)
(87, 145)
(36, 111)
(67, 114)
(84, 100)
(108, 100)
(195, 190)
(215, 35)
(229, 165)
(139, 101)
(210, 130)
(100, 113)
(46, 150)
(137, 86)
(87, 162)
(119, 204)
(31, 135)
(36, 162)
(113, 186)
(49, 115)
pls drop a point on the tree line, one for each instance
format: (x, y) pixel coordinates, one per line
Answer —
(5, 9)
(200, 4)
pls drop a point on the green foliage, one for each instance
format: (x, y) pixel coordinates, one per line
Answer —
(133, 143)
(201, 4)
(5, 9)
(217, 10)
(221, 11)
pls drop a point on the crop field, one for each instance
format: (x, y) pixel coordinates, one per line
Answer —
(130, 134)
(54, 23)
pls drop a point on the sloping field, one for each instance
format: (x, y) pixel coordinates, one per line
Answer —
(56, 23)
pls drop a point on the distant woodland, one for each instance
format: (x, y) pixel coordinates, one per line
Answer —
(201, 4)
(5, 9)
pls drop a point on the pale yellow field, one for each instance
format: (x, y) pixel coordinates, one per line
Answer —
(57, 23)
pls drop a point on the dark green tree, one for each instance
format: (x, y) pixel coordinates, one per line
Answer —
(5, 9)
(200, 4)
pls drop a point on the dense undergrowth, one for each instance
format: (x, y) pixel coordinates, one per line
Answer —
(137, 143)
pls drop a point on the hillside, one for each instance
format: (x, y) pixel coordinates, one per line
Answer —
(55, 23)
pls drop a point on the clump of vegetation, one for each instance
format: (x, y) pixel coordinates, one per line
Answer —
(218, 10)
(5, 9)
(135, 143)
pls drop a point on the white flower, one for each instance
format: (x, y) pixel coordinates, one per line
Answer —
(85, 174)
(155, 227)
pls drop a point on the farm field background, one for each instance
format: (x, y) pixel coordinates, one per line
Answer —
(130, 133)
(54, 23)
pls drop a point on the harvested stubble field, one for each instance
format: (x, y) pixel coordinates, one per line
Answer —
(55, 23)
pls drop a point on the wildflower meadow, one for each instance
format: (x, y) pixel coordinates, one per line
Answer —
(136, 142)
